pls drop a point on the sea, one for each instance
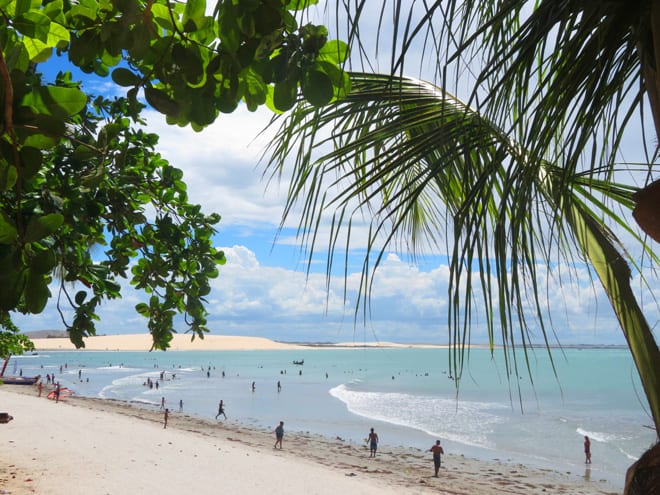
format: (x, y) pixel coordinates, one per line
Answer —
(537, 417)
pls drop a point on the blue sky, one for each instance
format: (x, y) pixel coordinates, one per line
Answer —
(264, 290)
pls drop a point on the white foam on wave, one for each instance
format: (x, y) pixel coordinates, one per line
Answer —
(141, 400)
(114, 369)
(598, 436)
(466, 422)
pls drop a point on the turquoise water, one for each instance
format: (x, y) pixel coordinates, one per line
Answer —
(407, 395)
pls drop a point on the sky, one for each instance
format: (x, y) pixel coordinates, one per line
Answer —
(264, 289)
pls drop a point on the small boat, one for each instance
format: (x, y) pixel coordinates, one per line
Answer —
(64, 393)
(299, 363)
(20, 380)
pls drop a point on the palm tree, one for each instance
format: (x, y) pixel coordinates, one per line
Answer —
(523, 170)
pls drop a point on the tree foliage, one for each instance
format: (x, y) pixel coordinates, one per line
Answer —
(85, 197)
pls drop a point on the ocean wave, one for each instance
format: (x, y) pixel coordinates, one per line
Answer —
(466, 422)
(599, 436)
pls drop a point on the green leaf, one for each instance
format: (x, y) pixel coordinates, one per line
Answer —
(598, 244)
(229, 31)
(160, 100)
(21, 7)
(54, 11)
(82, 10)
(57, 101)
(42, 226)
(161, 16)
(31, 160)
(11, 288)
(37, 50)
(143, 309)
(33, 24)
(317, 88)
(84, 153)
(125, 77)
(8, 176)
(300, 4)
(334, 51)
(284, 95)
(80, 297)
(195, 11)
(58, 35)
(8, 232)
(36, 292)
(43, 262)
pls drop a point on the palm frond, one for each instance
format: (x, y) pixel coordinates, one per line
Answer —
(422, 168)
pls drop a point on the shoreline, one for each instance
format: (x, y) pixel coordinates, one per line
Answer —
(308, 464)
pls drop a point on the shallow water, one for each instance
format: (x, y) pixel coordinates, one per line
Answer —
(407, 395)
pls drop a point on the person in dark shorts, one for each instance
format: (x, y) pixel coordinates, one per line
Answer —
(221, 410)
(437, 452)
(372, 440)
(279, 435)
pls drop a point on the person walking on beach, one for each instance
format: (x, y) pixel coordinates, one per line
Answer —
(279, 435)
(587, 450)
(372, 440)
(180, 405)
(162, 402)
(165, 416)
(437, 452)
(221, 410)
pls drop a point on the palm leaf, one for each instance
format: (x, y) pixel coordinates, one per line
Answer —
(421, 168)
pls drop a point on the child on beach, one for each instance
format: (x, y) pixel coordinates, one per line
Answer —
(165, 416)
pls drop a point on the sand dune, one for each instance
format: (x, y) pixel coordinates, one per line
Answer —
(180, 342)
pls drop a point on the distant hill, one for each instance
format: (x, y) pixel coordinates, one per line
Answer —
(47, 334)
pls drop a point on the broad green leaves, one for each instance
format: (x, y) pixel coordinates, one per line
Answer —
(76, 177)
(11, 340)
(192, 66)
(55, 101)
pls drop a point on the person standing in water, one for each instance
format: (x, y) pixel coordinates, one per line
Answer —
(437, 452)
(587, 450)
(372, 440)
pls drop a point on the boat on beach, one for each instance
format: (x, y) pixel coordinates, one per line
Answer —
(20, 380)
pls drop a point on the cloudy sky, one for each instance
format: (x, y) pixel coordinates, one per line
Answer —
(264, 289)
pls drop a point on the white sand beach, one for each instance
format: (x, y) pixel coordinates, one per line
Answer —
(184, 342)
(180, 342)
(92, 446)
